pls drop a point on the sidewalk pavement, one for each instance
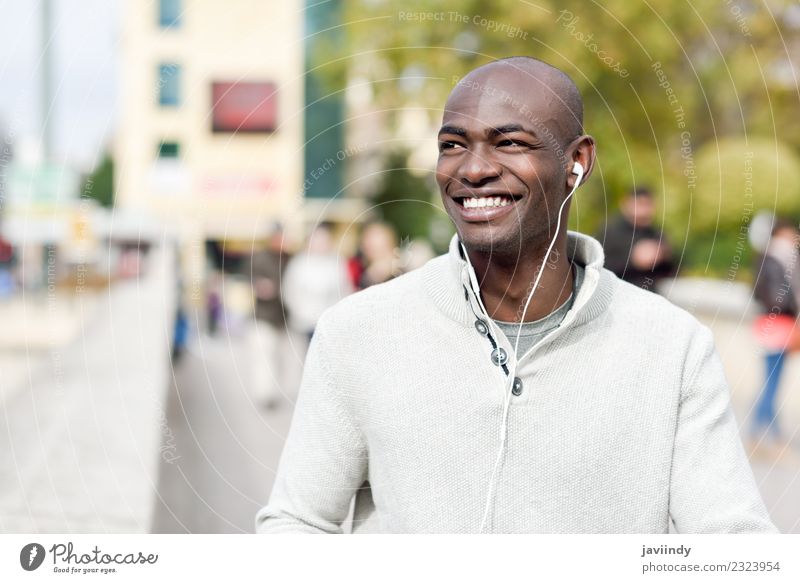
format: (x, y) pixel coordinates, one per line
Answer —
(39, 321)
(33, 324)
(80, 436)
(83, 433)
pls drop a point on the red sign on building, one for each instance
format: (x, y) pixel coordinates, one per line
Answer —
(244, 107)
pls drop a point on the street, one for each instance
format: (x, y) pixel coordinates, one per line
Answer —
(125, 443)
(228, 447)
(219, 459)
(81, 396)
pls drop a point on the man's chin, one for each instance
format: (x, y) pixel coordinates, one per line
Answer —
(490, 243)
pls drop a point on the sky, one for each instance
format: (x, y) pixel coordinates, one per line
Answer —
(85, 34)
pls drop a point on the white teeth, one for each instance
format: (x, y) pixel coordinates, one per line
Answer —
(486, 202)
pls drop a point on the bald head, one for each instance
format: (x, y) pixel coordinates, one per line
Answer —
(544, 94)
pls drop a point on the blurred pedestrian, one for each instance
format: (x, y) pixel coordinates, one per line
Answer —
(415, 254)
(355, 268)
(266, 336)
(180, 333)
(314, 280)
(180, 326)
(636, 251)
(7, 261)
(777, 289)
(379, 255)
(214, 302)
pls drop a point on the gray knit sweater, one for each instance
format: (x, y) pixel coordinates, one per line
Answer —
(624, 419)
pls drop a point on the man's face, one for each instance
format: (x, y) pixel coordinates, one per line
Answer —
(502, 169)
(788, 233)
(639, 210)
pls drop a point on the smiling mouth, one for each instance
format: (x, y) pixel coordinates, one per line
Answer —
(475, 202)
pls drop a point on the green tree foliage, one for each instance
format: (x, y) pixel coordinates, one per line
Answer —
(405, 200)
(665, 86)
(736, 176)
(100, 183)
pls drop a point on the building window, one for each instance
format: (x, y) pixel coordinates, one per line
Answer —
(169, 84)
(169, 150)
(169, 13)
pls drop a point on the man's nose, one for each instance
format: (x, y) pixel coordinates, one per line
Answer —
(478, 168)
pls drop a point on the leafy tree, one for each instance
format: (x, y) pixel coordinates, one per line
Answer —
(100, 183)
(664, 84)
(405, 199)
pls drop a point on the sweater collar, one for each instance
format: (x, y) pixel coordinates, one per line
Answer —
(446, 279)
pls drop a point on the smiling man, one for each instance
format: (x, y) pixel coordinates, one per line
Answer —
(514, 384)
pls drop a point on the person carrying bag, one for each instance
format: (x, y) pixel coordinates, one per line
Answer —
(777, 289)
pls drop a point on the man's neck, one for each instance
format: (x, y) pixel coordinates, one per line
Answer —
(506, 284)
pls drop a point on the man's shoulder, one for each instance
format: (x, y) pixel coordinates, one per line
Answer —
(646, 324)
(651, 310)
(377, 302)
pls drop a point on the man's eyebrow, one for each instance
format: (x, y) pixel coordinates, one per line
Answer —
(509, 129)
(491, 132)
(457, 131)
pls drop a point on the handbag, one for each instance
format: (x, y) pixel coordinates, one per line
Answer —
(777, 332)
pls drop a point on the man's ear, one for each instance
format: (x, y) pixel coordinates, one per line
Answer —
(581, 150)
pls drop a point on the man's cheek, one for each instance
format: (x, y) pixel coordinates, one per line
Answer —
(443, 176)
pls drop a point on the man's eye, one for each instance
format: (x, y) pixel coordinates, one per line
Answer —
(511, 143)
(448, 145)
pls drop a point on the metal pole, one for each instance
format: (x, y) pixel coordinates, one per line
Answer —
(46, 99)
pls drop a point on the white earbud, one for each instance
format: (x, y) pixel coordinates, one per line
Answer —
(577, 170)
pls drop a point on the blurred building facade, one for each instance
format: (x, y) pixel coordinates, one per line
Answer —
(210, 133)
